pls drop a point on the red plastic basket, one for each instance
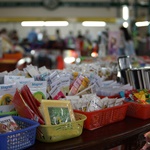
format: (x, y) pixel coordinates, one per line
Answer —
(113, 96)
(97, 119)
(141, 111)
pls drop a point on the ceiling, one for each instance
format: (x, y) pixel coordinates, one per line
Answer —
(139, 7)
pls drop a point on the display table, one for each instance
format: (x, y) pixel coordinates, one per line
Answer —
(128, 133)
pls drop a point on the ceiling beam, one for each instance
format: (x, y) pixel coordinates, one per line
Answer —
(68, 4)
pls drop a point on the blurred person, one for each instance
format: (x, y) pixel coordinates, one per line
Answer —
(113, 46)
(5, 42)
(148, 44)
(121, 51)
(59, 42)
(70, 40)
(88, 36)
(45, 37)
(25, 45)
(7, 46)
(14, 36)
(4, 34)
(32, 36)
(126, 45)
(79, 42)
(103, 44)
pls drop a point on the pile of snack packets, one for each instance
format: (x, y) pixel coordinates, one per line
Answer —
(83, 83)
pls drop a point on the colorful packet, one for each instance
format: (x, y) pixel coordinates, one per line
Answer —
(7, 92)
(84, 84)
(94, 104)
(111, 102)
(32, 70)
(21, 82)
(65, 83)
(38, 89)
(76, 85)
(73, 77)
(89, 90)
(119, 101)
(10, 79)
(56, 93)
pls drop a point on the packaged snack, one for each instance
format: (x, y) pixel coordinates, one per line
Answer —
(8, 124)
(11, 79)
(84, 84)
(76, 85)
(56, 93)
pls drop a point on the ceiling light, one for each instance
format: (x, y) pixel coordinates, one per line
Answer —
(56, 23)
(42, 23)
(142, 24)
(94, 23)
(125, 12)
(32, 23)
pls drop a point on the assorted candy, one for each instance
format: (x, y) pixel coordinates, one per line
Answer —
(139, 96)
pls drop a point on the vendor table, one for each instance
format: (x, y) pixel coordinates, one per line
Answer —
(128, 133)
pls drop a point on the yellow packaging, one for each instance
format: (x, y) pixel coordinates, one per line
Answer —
(84, 84)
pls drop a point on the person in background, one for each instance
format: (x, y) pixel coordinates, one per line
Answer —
(14, 36)
(5, 42)
(148, 44)
(121, 51)
(59, 42)
(126, 43)
(70, 40)
(113, 46)
(32, 36)
(87, 43)
(80, 43)
(88, 36)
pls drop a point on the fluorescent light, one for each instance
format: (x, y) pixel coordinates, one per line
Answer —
(125, 24)
(125, 12)
(142, 23)
(32, 23)
(56, 23)
(42, 23)
(94, 23)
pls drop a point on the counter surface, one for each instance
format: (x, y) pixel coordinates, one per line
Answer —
(128, 132)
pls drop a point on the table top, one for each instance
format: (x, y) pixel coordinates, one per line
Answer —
(103, 138)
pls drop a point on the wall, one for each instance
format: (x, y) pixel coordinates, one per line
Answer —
(75, 27)
(70, 14)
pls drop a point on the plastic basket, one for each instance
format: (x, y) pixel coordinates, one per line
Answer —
(113, 96)
(99, 118)
(141, 111)
(55, 133)
(19, 139)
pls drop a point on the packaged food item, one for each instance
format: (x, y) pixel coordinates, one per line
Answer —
(76, 85)
(84, 84)
(38, 89)
(11, 79)
(57, 112)
(8, 124)
(65, 83)
(56, 93)
(7, 92)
